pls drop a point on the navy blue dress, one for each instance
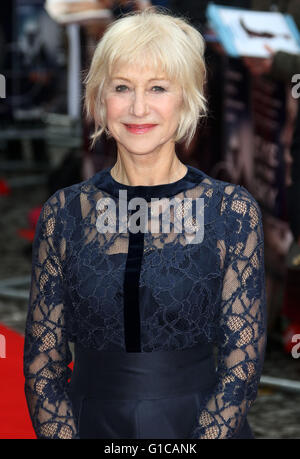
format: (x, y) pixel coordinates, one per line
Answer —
(168, 322)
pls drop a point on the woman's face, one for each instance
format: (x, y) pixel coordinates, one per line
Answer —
(143, 109)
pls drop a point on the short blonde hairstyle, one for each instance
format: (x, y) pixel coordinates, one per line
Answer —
(170, 44)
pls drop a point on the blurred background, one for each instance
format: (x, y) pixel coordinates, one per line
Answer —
(251, 137)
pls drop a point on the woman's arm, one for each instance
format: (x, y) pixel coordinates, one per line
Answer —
(46, 351)
(242, 321)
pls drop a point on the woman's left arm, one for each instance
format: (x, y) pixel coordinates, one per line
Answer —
(242, 325)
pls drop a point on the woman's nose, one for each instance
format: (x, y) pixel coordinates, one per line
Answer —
(139, 105)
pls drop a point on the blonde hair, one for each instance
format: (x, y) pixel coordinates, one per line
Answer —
(170, 44)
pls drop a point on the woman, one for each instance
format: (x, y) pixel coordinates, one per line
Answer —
(146, 309)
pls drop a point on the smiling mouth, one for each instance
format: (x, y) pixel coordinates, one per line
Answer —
(139, 128)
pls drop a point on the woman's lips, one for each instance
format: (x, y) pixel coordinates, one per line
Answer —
(139, 128)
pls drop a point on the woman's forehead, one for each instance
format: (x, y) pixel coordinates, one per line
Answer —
(139, 71)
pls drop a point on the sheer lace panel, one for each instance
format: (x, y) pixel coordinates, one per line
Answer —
(46, 352)
(242, 322)
(114, 242)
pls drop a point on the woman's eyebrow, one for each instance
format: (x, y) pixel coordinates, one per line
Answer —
(151, 79)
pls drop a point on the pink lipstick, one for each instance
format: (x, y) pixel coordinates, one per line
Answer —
(139, 128)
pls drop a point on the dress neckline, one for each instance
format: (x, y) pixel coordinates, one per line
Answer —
(146, 187)
(104, 181)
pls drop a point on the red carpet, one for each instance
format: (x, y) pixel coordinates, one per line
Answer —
(14, 417)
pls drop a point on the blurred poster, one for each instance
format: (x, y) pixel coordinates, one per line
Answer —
(274, 113)
(236, 165)
(273, 121)
(245, 33)
(39, 59)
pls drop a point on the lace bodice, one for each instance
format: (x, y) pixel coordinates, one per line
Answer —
(190, 290)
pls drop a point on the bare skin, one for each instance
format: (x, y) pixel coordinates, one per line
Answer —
(143, 110)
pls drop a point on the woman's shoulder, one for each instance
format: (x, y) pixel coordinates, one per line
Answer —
(225, 187)
(233, 197)
(63, 196)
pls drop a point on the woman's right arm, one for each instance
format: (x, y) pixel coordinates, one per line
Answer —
(46, 350)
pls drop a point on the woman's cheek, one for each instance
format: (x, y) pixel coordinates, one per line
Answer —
(116, 105)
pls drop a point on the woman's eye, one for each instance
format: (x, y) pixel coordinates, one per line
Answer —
(121, 88)
(158, 89)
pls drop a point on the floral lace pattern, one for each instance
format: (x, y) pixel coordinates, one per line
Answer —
(213, 290)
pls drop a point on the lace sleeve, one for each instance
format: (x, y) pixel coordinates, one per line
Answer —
(46, 350)
(241, 323)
